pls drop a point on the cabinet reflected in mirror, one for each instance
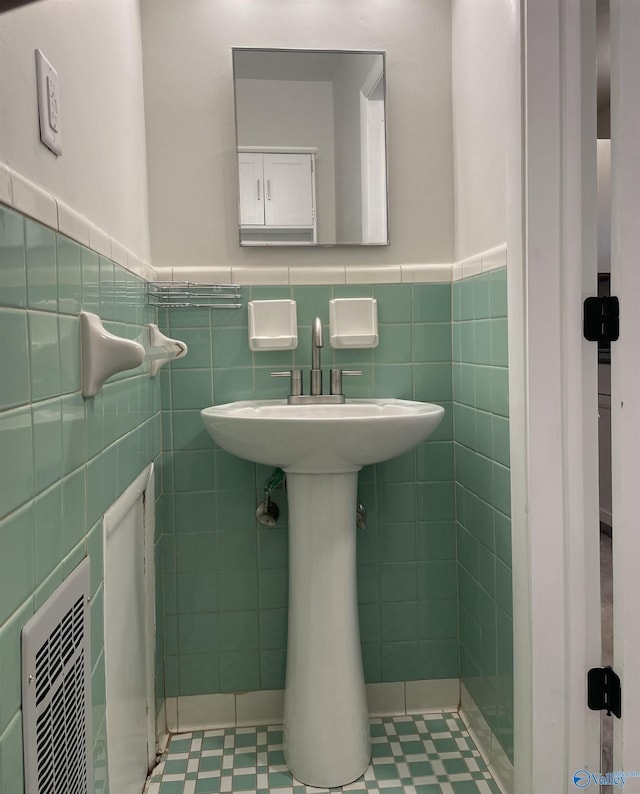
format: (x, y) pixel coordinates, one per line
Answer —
(311, 142)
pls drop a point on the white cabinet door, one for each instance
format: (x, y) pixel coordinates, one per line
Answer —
(289, 190)
(250, 166)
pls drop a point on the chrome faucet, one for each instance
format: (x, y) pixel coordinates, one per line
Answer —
(315, 396)
(316, 344)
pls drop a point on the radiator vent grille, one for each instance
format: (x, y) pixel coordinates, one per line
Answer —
(56, 691)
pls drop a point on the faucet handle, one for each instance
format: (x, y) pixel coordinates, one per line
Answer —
(295, 383)
(336, 378)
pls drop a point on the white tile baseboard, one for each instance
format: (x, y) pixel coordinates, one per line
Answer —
(199, 712)
(266, 707)
(386, 700)
(422, 697)
(171, 714)
(162, 732)
(260, 708)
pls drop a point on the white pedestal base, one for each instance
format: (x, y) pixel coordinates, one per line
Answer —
(326, 729)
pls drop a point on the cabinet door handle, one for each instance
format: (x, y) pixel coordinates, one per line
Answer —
(258, 186)
(269, 189)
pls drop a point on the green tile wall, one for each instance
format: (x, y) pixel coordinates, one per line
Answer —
(226, 580)
(481, 433)
(64, 459)
(434, 575)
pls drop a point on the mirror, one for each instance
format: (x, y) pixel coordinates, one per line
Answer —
(311, 142)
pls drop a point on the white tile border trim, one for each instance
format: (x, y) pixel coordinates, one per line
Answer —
(99, 241)
(471, 266)
(487, 743)
(299, 275)
(372, 274)
(426, 274)
(308, 275)
(202, 275)
(134, 265)
(266, 707)
(5, 185)
(73, 224)
(119, 254)
(29, 198)
(492, 259)
(164, 274)
(320, 274)
(32, 200)
(255, 275)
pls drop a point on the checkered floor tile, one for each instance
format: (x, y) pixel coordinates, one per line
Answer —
(430, 754)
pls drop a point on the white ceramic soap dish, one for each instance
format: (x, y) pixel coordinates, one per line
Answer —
(353, 322)
(273, 325)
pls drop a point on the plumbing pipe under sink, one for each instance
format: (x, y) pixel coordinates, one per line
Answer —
(268, 512)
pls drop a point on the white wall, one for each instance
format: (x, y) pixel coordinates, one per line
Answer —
(190, 123)
(293, 113)
(480, 45)
(95, 48)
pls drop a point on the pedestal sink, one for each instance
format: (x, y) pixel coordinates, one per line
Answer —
(322, 448)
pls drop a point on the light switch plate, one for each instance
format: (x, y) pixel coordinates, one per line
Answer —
(48, 104)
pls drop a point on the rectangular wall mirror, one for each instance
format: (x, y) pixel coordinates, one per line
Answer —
(311, 142)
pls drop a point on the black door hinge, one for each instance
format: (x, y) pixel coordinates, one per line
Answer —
(602, 319)
(604, 692)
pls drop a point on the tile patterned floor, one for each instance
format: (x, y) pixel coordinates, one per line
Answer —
(431, 754)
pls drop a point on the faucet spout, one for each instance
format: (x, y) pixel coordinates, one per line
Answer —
(316, 344)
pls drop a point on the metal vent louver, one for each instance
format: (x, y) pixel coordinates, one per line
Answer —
(56, 691)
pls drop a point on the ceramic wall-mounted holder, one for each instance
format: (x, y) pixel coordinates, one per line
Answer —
(353, 322)
(104, 354)
(273, 325)
(162, 349)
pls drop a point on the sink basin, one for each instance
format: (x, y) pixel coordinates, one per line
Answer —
(322, 447)
(321, 438)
